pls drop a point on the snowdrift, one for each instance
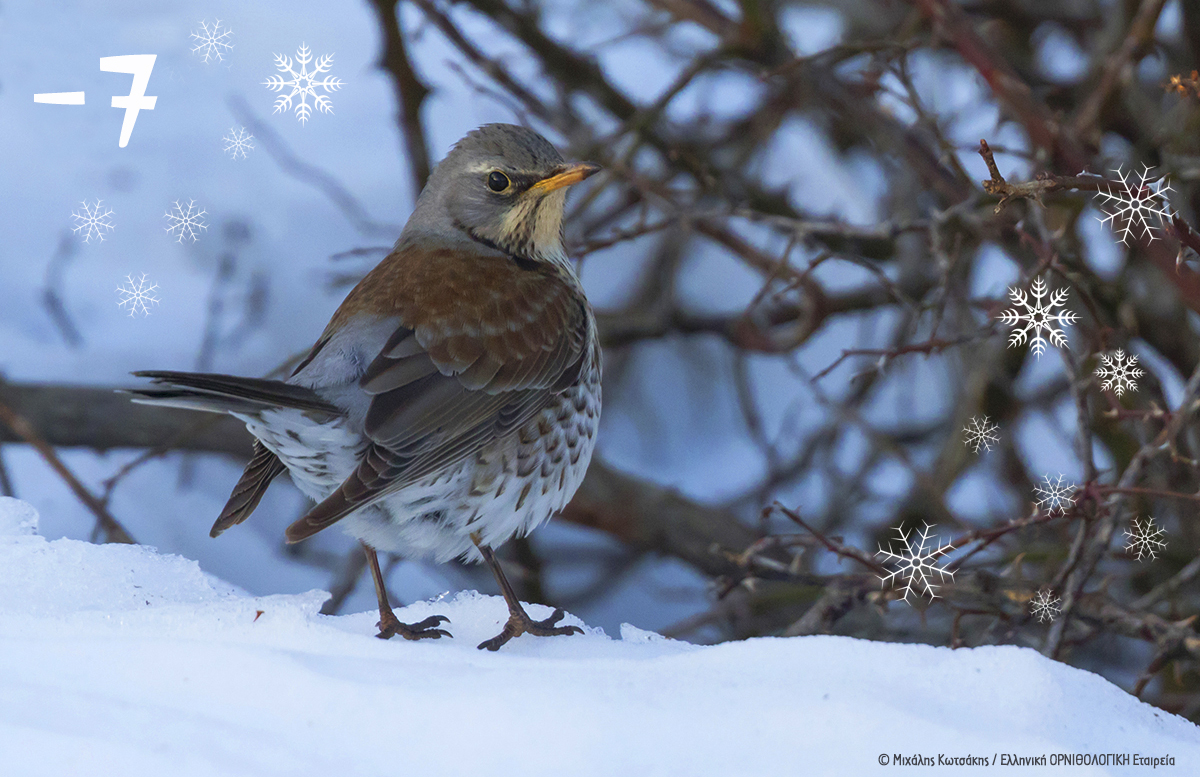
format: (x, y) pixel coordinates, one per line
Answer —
(116, 660)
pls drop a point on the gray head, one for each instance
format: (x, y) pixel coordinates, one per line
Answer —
(503, 186)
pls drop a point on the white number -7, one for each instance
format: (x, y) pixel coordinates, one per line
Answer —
(140, 65)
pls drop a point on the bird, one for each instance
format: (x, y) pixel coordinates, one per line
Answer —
(453, 400)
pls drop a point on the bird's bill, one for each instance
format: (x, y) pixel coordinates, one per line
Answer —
(571, 175)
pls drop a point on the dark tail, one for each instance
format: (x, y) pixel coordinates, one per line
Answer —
(231, 394)
(226, 393)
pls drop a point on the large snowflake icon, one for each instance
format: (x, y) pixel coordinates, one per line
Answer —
(1045, 606)
(1145, 539)
(1135, 204)
(238, 142)
(303, 83)
(212, 43)
(185, 221)
(980, 434)
(1053, 496)
(1119, 372)
(915, 563)
(135, 295)
(92, 221)
(1037, 317)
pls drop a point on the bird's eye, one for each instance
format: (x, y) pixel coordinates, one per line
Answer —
(498, 181)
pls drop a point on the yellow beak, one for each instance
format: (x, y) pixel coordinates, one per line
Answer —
(570, 175)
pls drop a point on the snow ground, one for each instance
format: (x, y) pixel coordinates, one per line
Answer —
(118, 660)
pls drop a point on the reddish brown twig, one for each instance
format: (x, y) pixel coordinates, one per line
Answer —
(886, 354)
(1092, 546)
(837, 548)
(1044, 132)
(986, 537)
(113, 530)
(1141, 32)
(1148, 492)
(1187, 237)
(1044, 183)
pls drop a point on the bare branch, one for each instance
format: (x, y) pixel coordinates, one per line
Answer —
(113, 530)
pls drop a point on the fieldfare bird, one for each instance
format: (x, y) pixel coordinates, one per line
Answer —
(453, 399)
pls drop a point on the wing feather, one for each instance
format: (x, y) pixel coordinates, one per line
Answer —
(264, 466)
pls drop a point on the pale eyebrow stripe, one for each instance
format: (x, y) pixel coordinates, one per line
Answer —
(487, 167)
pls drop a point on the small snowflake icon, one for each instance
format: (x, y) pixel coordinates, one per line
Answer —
(1119, 372)
(1037, 317)
(1053, 496)
(303, 83)
(1135, 204)
(980, 434)
(238, 142)
(92, 221)
(1144, 540)
(135, 295)
(915, 563)
(186, 221)
(212, 43)
(1045, 606)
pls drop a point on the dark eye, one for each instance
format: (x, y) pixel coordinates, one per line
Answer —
(498, 181)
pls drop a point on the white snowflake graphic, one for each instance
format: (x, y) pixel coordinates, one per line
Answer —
(1053, 496)
(1037, 317)
(186, 221)
(1144, 540)
(981, 434)
(1045, 606)
(1135, 204)
(1119, 372)
(136, 294)
(212, 43)
(238, 142)
(93, 221)
(915, 563)
(303, 83)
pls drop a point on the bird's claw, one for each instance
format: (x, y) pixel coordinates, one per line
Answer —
(519, 623)
(426, 629)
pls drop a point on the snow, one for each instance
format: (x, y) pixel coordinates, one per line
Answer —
(120, 660)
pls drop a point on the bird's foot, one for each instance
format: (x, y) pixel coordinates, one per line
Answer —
(519, 623)
(389, 625)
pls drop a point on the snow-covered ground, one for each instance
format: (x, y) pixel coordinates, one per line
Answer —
(118, 660)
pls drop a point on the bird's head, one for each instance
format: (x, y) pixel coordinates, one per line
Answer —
(503, 186)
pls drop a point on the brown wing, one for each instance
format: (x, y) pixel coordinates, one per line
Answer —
(264, 466)
(484, 344)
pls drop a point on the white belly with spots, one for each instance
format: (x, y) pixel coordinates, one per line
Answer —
(507, 489)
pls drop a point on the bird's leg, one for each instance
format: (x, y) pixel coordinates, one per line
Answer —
(519, 621)
(389, 624)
